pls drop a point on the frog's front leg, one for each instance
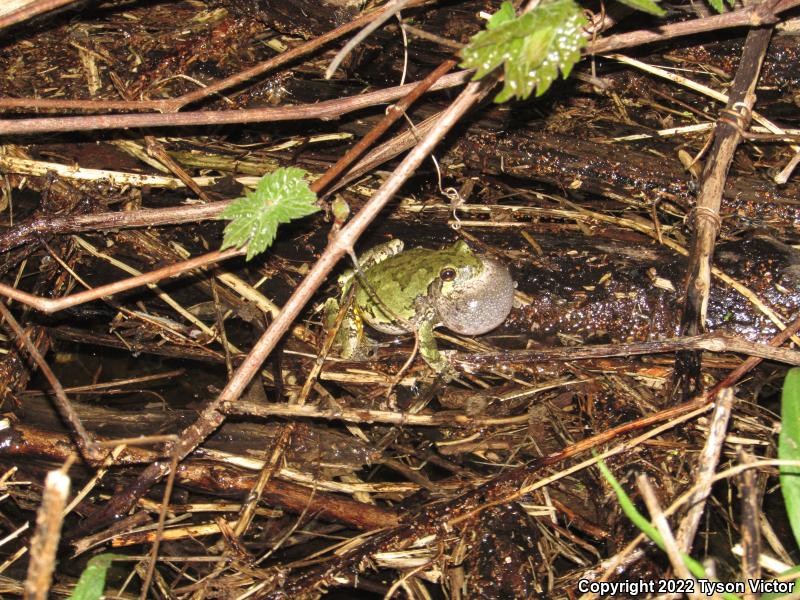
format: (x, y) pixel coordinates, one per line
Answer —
(351, 330)
(430, 352)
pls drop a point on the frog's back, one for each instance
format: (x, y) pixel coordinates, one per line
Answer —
(399, 281)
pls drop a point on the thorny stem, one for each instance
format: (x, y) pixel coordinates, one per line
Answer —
(328, 109)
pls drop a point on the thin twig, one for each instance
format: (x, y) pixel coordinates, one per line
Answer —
(756, 14)
(162, 517)
(363, 415)
(51, 305)
(752, 362)
(64, 406)
(706, 219)
(386, 12)
(706, 467)
(749, 522)
(44, 543)
(392, 115)
(325, 110)
(712, 342)
(659, 519)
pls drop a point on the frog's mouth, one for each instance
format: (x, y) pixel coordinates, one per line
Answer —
(481, 304)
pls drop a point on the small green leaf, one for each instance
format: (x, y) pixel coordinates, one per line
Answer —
(533, 47)
(789, 448)
(279, 197)
(92, 582)
(649, 6)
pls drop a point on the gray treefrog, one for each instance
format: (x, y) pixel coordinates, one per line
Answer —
(419, 290)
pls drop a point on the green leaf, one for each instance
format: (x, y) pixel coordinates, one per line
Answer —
(92, 582)
(789, 448)
(533, 47)
(649, 6)
(279, 197)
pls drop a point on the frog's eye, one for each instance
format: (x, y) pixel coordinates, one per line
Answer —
(447, 274)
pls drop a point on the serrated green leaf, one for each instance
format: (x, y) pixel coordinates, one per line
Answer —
(92, 582)
(649, 6)
(504, 15)
(280, 197)
(789, 448)
(532, 47)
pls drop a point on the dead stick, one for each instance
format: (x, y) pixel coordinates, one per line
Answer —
(64, 406)
(753, 15)
(20, 444)
(750, 521)
(754, 361)
(659, 519)
(713, 342)
(51, 305)
(44, 543)
(328, 109)
(727, 135)
(28, 231)
(706, 467)
(392, 114)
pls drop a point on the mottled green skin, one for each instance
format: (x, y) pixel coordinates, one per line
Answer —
(404, 292)
(403, 284)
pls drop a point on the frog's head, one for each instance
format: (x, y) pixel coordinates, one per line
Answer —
(473, 293)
